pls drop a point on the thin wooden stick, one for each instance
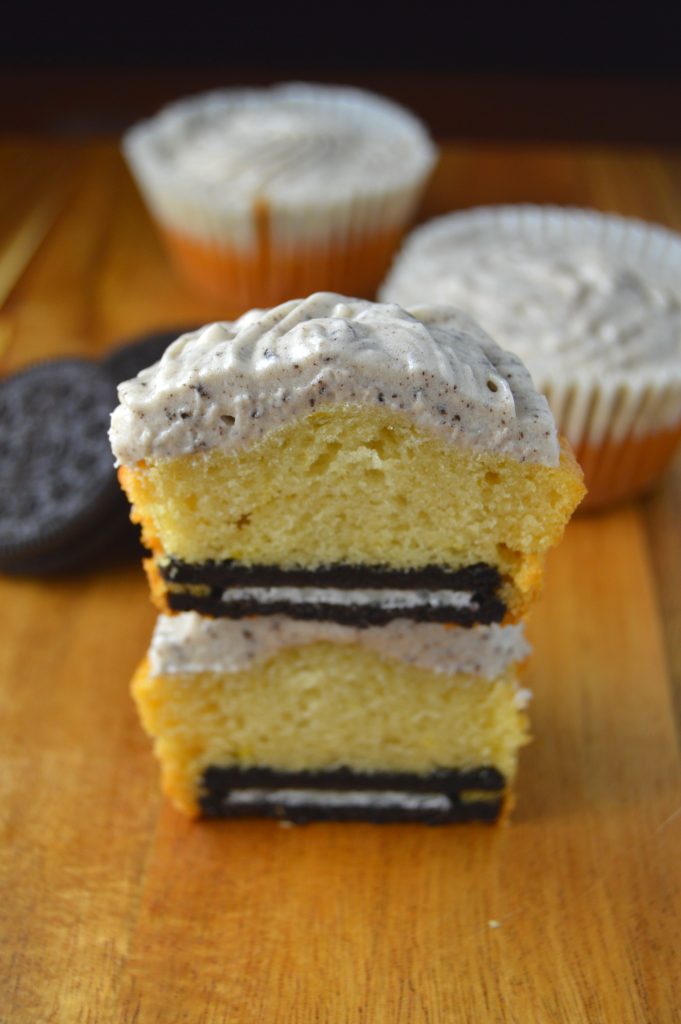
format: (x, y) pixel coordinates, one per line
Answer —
(16, 257)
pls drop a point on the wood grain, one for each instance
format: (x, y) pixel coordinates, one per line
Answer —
(115, 909)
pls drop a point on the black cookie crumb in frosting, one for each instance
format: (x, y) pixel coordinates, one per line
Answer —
(340, 794)
(61, 503)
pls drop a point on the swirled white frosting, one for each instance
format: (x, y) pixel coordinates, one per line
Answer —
(291, 143)
(228, 384)
(564, 305)
(188, 643)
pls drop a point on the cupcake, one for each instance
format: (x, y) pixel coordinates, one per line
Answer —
(590, 302)
(265, 195)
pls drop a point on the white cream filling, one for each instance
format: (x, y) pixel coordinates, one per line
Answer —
(330, 798)
(382, 597)
(189, 643)
(228, 384)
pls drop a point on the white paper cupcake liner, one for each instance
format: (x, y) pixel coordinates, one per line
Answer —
(589, 409)
(220, 217)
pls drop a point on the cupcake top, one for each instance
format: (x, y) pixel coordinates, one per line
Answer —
(291, 144)
(228, 384)
(570, 292)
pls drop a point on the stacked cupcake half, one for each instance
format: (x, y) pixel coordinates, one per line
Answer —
(347, 506)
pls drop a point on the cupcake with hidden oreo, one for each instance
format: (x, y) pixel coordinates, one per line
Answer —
(591, 303)
(264, 195)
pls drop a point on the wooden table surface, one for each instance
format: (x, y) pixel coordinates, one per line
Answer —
(115, 908)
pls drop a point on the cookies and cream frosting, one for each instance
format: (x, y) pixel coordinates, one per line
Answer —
(228, 384)
(313, 163)
(291, 143)
(189, 643)
(565, 300)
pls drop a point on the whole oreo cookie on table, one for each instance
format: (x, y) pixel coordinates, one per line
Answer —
(61, 503)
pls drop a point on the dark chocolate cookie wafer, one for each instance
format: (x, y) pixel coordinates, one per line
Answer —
(60, 498)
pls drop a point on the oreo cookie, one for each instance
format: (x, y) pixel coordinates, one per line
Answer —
(339, 794)
(61, 501)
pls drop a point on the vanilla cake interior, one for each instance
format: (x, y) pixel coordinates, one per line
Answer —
(343, 490)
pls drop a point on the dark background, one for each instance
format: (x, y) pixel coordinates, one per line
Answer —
(501, 70)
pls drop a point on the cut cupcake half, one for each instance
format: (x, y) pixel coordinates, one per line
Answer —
(360, 464)
(315, 722)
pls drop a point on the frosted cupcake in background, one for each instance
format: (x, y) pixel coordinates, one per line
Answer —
(590, 302)
(264, 195)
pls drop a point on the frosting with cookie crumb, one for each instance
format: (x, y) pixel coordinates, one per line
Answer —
(187, 643)
(228, 384)
(566, 305)
(305, 152)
